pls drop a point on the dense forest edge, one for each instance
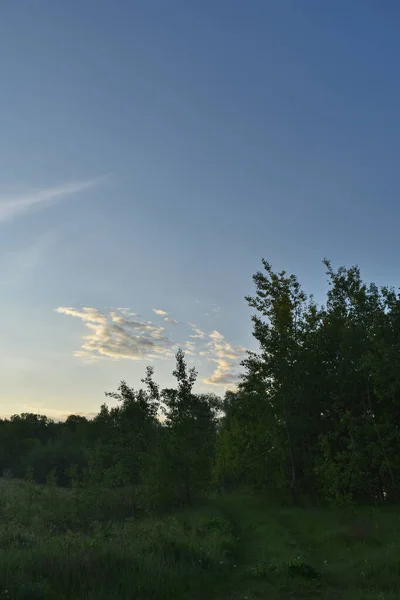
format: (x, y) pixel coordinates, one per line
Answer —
(307, 442)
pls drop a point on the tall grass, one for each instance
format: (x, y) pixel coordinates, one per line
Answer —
(52, 545)
(93, 543)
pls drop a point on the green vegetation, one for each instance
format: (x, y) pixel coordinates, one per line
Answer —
(131, 505)
(231, 546)
(52, 548)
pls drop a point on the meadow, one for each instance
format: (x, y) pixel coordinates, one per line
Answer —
(94, 544)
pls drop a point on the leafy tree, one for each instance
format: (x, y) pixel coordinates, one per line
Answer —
(179, 470)
(317, 408)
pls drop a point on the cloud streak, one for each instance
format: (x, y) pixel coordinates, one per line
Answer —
(119, 334)
(122, 334)
(227, 358)
(13, 205)
(197, 333)
(165, 316)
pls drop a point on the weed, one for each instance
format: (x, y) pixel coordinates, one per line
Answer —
(301, 568)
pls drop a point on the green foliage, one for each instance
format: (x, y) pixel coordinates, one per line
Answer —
(231, 547)
(168, 462)
(179, 465)
(299, 567)
(316, 413)
(179, 556)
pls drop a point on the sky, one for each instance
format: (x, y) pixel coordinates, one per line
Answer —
(153, 151)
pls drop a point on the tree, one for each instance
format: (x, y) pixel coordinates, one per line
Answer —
(179, 470)
(317, 408)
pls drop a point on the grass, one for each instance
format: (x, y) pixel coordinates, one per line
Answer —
(58, 544)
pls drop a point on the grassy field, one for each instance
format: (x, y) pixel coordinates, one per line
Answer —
(58, 544)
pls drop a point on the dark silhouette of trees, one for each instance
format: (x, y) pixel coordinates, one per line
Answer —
(316, 413)
(315, 416)
(168, 460)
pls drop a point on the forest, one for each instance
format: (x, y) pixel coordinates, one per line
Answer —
(311, 429)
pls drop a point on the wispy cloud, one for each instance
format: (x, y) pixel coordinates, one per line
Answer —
(165, 316)
(190, 348)
(14, 204)
(161, 313)
(119, 335)
(198, 333)
(227, 358)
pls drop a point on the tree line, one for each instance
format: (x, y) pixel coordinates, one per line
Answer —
(314, 417)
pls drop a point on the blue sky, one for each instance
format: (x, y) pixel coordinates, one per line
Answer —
(151, 152)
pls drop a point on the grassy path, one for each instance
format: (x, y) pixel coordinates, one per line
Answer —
(298, 554)
(266, 549)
